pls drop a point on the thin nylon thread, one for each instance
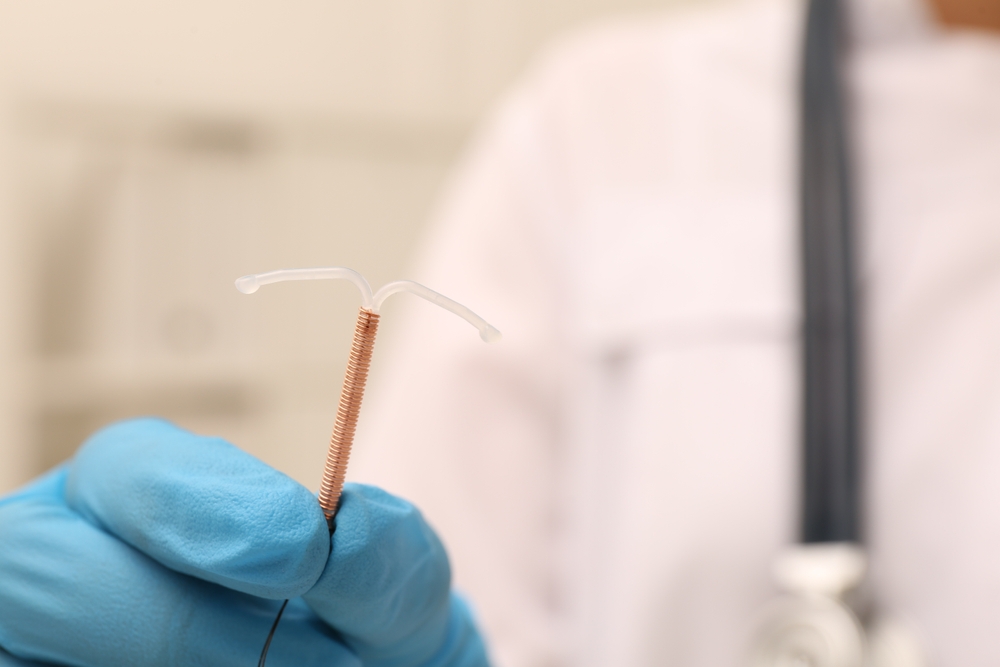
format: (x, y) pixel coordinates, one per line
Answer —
(270, 635)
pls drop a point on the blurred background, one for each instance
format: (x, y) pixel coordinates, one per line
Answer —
(151, 153)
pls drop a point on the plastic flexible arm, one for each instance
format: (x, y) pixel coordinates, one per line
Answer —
(251, 283)
(487, 331)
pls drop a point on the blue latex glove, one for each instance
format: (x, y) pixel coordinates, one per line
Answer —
(158, 547)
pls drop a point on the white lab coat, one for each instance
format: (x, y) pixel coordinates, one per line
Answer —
(614, 479)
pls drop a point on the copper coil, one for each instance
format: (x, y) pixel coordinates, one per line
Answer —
(347, 413)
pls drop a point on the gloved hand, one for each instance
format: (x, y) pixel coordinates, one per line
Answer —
(158, 547)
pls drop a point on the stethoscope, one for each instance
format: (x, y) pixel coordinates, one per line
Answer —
(824, 617)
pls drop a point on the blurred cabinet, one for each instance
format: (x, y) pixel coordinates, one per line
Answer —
(138, 226)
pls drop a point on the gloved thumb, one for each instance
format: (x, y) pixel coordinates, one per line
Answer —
(386, 587)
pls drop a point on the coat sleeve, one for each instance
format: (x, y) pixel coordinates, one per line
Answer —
(468, 430)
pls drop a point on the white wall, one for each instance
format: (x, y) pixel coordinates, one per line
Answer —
(153, 152)
(15, 457)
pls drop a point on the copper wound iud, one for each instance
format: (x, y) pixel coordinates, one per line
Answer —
(359, 360)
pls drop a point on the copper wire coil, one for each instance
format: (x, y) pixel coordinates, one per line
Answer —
(347, 412)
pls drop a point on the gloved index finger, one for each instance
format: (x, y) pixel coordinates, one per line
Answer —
(201, 506)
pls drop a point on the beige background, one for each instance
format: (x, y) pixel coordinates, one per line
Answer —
(153, 152)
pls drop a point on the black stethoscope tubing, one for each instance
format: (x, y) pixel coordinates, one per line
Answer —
(830, 467)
